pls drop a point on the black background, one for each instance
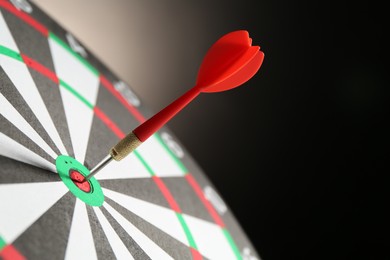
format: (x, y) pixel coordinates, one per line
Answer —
(307, 178)
(300, 151)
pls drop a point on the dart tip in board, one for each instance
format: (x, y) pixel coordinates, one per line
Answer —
(123, 148)
(79, 180)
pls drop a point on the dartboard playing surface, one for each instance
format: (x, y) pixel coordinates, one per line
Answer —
(61, 110)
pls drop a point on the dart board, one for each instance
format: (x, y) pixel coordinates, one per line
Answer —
(61, 110)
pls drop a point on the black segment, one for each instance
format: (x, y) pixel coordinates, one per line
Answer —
(173, 247)
(234, 228)
(51, 95)
(33, 44)
(47, 238)
(14, 133)
(143, 189)
(29, 41)
(103, 248)
(186, 198)
(116, 111)
(135, 250)
(101, 140)
(17, 172)
(9, 91)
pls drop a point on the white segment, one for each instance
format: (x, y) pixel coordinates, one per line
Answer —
(28, 202)
(115, 241)
(128, 168)
(20, 76)
(10, 113)
(12, 149)
(74, 73)
(79, 118)
(149, 247)
(6, 38)
(159, 159)
(209, 238)
(163, 218)
(80, 242)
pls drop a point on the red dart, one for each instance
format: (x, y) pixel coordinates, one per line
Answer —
(230, 62)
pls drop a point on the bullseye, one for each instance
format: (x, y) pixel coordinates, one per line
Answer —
(72, 174)
(77, 179)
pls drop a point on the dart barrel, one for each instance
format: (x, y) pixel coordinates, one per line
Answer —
(125, 146)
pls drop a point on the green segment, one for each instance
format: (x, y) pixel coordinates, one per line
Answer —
(232, 243)
(144, 163)
(10, 53)
(187, 231)
(178, 162)
(77, 56)
(2, 243)
(64, 164)
(74, 92)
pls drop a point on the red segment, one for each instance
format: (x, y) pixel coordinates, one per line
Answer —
(198, 190)
(124, 102)
(111, 125)
(25, 17)
(195, 254)
(40, 68)
(167, 194)
(9, 252)
(78, 180)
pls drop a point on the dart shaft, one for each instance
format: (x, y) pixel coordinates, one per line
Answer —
(154, 123)
(98, 167)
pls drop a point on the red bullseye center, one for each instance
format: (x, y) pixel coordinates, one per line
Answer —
(77, 179)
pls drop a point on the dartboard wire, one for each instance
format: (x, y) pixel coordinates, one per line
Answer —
(46, 33)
